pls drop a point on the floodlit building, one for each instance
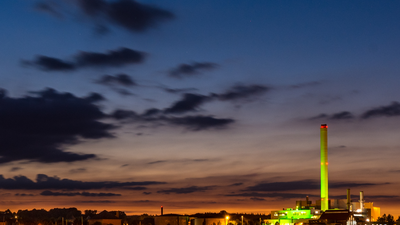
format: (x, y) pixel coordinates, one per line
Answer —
(326, 211)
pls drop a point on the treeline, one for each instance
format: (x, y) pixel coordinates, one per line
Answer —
(56, 216)
(389, 219)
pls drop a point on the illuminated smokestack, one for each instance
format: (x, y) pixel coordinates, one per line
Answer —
(324, 167)
(362, 201)
(162, 210)
(348, 199)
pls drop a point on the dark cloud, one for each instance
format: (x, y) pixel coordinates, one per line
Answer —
(79, 170)
(121, 114)
(236, 184)
(119, 79)
(185, 190)
(189, 102)
(194, 123)
(128, 14)
(15, 169)
(389, 110)
(350, 185)
(54, 183)
(273, 195)
(200, 160)
(101, 202)
(39, 127)
(114, 58)
(257, 199)
(50, 64)
(156, 162)
(135, 16)
(146, 193)
(151, 112)
(342, 115)
(301, 185)
(188, 70)
(178, 90)
(123, 92)
(197, 123)
(85, 194)
(320, 116)
(242, 92)
(357, 197)
(345, 115)
(23, 194)
(136, 188)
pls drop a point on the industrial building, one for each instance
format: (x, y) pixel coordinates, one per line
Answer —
(325, 210)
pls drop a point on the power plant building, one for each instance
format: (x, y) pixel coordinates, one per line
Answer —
(325, 210)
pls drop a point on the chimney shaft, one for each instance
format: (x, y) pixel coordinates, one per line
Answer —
(348, 199)
(162, 210)
(362, 201)
(324, 167)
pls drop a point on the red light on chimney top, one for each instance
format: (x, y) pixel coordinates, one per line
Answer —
(324, 126)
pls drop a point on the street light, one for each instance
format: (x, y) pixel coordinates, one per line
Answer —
(227, 218)
(242, 219)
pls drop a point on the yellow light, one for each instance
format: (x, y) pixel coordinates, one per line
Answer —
(227, 217)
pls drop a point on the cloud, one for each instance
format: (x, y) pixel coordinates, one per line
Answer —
(236, 184)
(388, 111)
(257, 199)
(342, 115)
(78, 170)
(46, 63)
(128, 14)
(136, 188)
(301, 185)
(155, 116)
(15, 169)
(85, 194)
(189, 70)
(40, 126)
(146, 193)
(121, 114)
(119, 79)
(23, 194)
(54, 183)
(102, 202)
(345, 115)
(177, 90)
(114, 58)
(273, 195)
(156, 162)
(185, 190)
(197, 123)
(189, 102)
(242, 92)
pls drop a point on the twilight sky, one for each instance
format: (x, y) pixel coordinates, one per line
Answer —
(197, 105)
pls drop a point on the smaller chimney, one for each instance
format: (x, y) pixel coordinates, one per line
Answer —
(362, 201)
(348, 199)
(307, 202)
(162, 210)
